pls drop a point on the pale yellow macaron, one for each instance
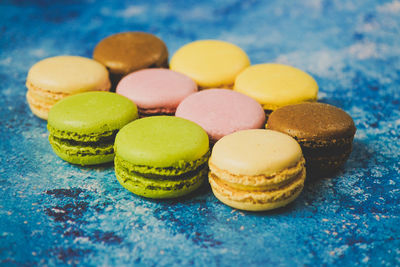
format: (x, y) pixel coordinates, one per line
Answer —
(211, 63)
(54, 78)
(257, 170)
(276, 85)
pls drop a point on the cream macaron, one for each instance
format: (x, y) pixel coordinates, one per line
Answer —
(257, 170)
(210, 63)
(276, 85)
(55, 78)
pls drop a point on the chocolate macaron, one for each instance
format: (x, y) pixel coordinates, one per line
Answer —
(126, 52)
(324, 132)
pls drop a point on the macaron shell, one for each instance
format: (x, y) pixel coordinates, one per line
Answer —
(161, 141)
(256, 152)
(210, 63)
(221, 112)
(276, 85)
(68, 74)
(126, 52)
(312, 121)
(156, 89)
(92, 112)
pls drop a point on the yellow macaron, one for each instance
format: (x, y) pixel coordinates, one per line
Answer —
(55, 78)
(276, 85)
(211, 63)
(257, 170)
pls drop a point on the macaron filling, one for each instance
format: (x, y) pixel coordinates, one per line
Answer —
(87, 137)
(72, 147)
(157, 182)
(181, 168)
(259, 182)
(265, 196)
(155, 112)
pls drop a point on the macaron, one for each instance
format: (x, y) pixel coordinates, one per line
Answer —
(256, 170)
(221, 112)
(126, 52)
(276, 85)
(161, 157)
(211, 63)
(55, 78)
(156, 91)
(324, 132)
(83, 127)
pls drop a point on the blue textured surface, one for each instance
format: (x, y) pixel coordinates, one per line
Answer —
(54, 213)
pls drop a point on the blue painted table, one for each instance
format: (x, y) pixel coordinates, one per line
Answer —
(53, 213)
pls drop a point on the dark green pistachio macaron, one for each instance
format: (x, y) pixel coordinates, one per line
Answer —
(83, 127)
(324, 132)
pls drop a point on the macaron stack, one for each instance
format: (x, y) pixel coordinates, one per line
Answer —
(161, 157)
(169, 126)
(83, 127)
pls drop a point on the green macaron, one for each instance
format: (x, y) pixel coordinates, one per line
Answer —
(161, 156)
(83, 127)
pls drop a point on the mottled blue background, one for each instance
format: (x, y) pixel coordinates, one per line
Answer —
(54, 213)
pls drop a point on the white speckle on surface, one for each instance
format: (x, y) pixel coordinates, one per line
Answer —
(393, 7)
(198, 12)
(363, 50)
(340, 250)
(365, 259)
(315, 4)
(58, 210)
(109, 208)
(324, 63)
(39, 52)
(322, 95)
(81, 240)
(367, 27)
(6, 234)
(362, 245)
(131, 11)
(105, 11)
(5, 61)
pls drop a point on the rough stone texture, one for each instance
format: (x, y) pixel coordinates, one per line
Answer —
(54, 213)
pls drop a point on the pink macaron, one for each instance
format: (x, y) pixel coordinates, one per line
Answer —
(156, 91)
(221, 112)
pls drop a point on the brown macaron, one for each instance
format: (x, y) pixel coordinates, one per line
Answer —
(324, 132)
(126, 52)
